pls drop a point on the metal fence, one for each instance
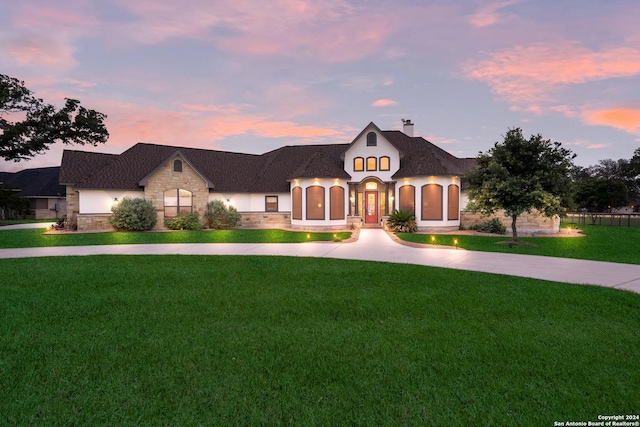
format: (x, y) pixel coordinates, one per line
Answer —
(603, 218)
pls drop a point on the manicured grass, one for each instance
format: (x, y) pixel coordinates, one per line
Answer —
(36, 238)
(193, 340)
(24, 221)
(602, 243)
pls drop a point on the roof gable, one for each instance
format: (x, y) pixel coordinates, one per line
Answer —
(145, 180)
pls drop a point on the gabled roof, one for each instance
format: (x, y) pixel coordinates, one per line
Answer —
(369, 128)
(250, 173)
(421, 157)
(37, 182)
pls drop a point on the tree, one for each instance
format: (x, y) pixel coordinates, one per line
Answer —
(36, 125)
(11, 203)
(518, 175)
(599, 194)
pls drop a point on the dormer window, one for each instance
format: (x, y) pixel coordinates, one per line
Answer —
(372, 139)
(177, 165)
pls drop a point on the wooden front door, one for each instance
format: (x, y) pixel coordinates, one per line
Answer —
(371, 207)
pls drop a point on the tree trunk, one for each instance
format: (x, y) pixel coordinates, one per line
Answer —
(513, 227)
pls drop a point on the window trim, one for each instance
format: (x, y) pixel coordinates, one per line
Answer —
(401, 197)
(423, 217)
(388, 163)
(372, 139)
(336, 211)
(179, 207)
(320, 209)
(296, 203)
(456, 205)
(266, 204)
(177, 165)
(375, 164)
(355, 167)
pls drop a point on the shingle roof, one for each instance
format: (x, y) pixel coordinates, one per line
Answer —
(37, 182)
(249, 173)
(421, 157)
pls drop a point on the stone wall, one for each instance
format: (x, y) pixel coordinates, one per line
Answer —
(527, 222)
(265, 219)
(73, 207)
(93, 222)
(166, 179)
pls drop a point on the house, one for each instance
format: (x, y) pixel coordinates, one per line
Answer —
(302, 186)
(40, 186)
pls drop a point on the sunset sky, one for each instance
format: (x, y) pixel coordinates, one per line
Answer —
(251, 76)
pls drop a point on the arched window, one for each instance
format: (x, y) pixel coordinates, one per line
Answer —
(296, 211)
(407, 200)
(177, 165)
(372, 163)
(432, 202)
(453, 202)
(177, 201)
(384, 163)
(336, 200)
(358, 164)
(315, 202)
(372, 139)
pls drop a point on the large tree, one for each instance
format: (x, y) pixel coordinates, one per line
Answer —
(518, 175)
(28, 125)
(600, 194)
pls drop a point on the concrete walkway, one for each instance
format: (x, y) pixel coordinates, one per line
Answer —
(376, 245)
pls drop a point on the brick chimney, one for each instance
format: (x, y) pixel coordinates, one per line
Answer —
(407, 127)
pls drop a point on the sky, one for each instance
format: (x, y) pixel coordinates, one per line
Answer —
(251, 76)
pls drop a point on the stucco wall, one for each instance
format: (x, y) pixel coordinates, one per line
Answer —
(252, 202)
(360, 149)
(417, 183)
(101, 201)
(327, 183)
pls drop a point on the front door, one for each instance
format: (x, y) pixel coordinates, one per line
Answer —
(371, 207)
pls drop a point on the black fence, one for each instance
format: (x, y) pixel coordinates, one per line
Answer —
(603, 218)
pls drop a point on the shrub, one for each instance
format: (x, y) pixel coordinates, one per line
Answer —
(133, 214)
(402, 221)
(218, 215)
(494, 226)
(184, 222)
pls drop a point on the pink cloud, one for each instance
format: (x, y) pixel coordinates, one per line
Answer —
(41, 51)
(487, 15)
(528, 75)
(327, 30)
(626, 119)
(384, 103)
(588, 145)
(201, 127)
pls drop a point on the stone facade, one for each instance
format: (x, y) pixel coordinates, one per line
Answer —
(93, 222)
(265, 219)
(526, 223)
(73, 207)
(165, 179)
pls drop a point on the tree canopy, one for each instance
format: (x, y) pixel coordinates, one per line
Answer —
(28, 125)
(518, 175)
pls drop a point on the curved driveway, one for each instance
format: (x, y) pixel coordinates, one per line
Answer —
(375, 245)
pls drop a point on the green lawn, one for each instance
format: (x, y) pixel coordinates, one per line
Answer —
(35, 238)
(194, 340)
(602, 243)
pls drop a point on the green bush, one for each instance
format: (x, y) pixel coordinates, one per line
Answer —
(402, 221)
(494, 226)
(184, 222)
(133, 214)
(218, 215)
